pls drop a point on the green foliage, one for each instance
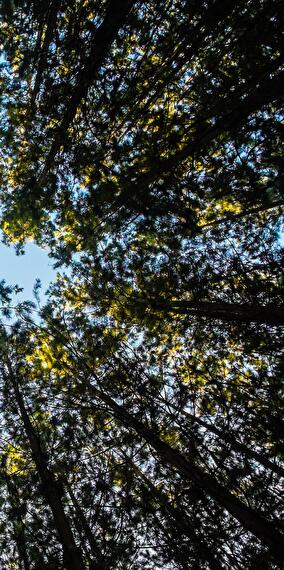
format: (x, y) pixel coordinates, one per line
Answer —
(142, 410)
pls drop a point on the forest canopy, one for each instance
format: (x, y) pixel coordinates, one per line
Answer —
(142, 404)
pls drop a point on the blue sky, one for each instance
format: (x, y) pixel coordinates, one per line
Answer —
(24, 269)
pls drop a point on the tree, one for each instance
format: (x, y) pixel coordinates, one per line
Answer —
(141, 144)
(51, 487)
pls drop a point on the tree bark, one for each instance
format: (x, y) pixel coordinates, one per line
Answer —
(268, 314)
(235, 444)
(86, 529)
(229, 115)
(50, 28)
(103, 37)
(17, 522)
(253, 522)
(72, 558)
(182, 523)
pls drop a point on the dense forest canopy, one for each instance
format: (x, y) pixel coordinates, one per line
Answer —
(141, 405)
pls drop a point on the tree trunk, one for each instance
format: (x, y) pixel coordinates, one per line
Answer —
(253, 522)
(245, 213)
(103, 37)
(17, 522)
(235, 444)
(48, 36)
(86, 529)
(268, 315)
(71, 555)
(182, 523)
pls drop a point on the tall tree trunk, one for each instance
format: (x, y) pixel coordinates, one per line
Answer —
(183, 526)
(103, 37)
(224, 435)
(51, 18)
(245, 213)
(17, 522)
(86, 528)
(269, 314)
(263, 529)
(229, 114)
(234, 443)
(52, 491)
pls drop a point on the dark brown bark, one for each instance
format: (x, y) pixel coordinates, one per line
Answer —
(253, 522)
(244, 214)
(86, 529)
(103, 37)
(51, 25)
(17, 522)
(182, 523)
(52, 491)
(229, 115)
(235, 444)
(269, 314)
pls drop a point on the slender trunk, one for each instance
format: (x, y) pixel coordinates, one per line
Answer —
(103, 37)
(183, 526)
(17, 523)
(226, 436)
(229, 114)
(51, 26)
(269, 314)
(235, 444)
(253, 522)
(71, 555)
(268, 90)
(86, 529)
(248, 212)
